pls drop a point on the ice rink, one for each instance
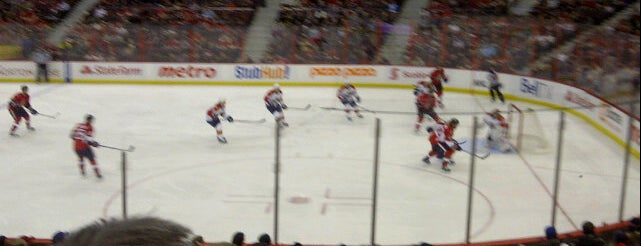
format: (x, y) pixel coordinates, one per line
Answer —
(180, 172)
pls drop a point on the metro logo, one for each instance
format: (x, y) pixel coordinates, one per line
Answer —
(187, 72)
(344, 72)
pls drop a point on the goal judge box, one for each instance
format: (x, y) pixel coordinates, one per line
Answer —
(526, 132)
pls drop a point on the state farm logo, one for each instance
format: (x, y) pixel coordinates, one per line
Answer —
(397, 73)
(110, 70)
(187, 72)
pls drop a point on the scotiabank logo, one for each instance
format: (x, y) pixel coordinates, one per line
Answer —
(342, 72)
(397, 73)
(110, 70)
(187, 72)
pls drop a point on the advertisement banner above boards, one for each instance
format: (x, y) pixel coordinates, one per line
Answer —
(25, 71)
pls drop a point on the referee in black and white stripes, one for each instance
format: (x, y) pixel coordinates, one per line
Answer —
(42, 58)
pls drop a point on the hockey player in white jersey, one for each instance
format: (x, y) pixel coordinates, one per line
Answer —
(349, 98)
(213, 119)
(497, 133)
(275, 105)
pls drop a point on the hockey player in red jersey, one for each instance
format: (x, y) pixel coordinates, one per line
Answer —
(425, 103)
(17, 105)
(82, 135)
(349, 98)
(438, 77)
(213, 119)
(443, 144)
(274, 103)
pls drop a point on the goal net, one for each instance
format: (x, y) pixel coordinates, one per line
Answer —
(526, 133)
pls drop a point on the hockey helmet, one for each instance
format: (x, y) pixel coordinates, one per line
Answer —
(496, 112)
(24, 88)
(276, 86)
(88, 117)
(222, 100)
(454, 122)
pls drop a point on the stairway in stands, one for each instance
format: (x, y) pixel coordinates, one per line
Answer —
(79, 12)
(259, 33)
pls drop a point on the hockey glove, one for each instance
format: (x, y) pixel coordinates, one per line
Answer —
(230, 119)
(14, 104)
(430, 129)
(33, 111)
(94, 144)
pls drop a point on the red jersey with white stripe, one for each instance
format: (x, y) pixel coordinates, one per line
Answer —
(21, 99)
(82, 136)
(438, 133)
(438, 76)
(426, 101)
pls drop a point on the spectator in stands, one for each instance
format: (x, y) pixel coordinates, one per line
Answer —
(589, 237)
(2, 240)
(551, 237)
(238, 239)
(133, 231)
(263, 240)
(59, 237)
(621, 239)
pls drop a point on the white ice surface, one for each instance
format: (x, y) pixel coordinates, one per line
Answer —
(180, 172)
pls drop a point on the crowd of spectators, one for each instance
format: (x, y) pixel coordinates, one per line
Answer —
(177, 31)
(152, 231)
(318, 31)
(448, 35)
(35, 13)
(470, 34)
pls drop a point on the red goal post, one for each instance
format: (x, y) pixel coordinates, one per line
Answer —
(515, 119)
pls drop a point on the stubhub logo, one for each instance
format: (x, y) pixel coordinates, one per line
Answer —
(262, 72)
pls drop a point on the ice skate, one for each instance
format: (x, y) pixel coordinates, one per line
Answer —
(450, 162)
(30, 128)
(446, 169)
(284, 124)
(359, 115)
(426, 159)
(222, 139)
(349, 118)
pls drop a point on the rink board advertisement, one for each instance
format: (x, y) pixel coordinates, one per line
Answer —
(605, 117)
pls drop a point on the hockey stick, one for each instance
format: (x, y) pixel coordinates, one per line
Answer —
(369, 110)
(49, 115)
(308, 106)
(251, 121)
(366, 109)
(130, 149)
(480, 156)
